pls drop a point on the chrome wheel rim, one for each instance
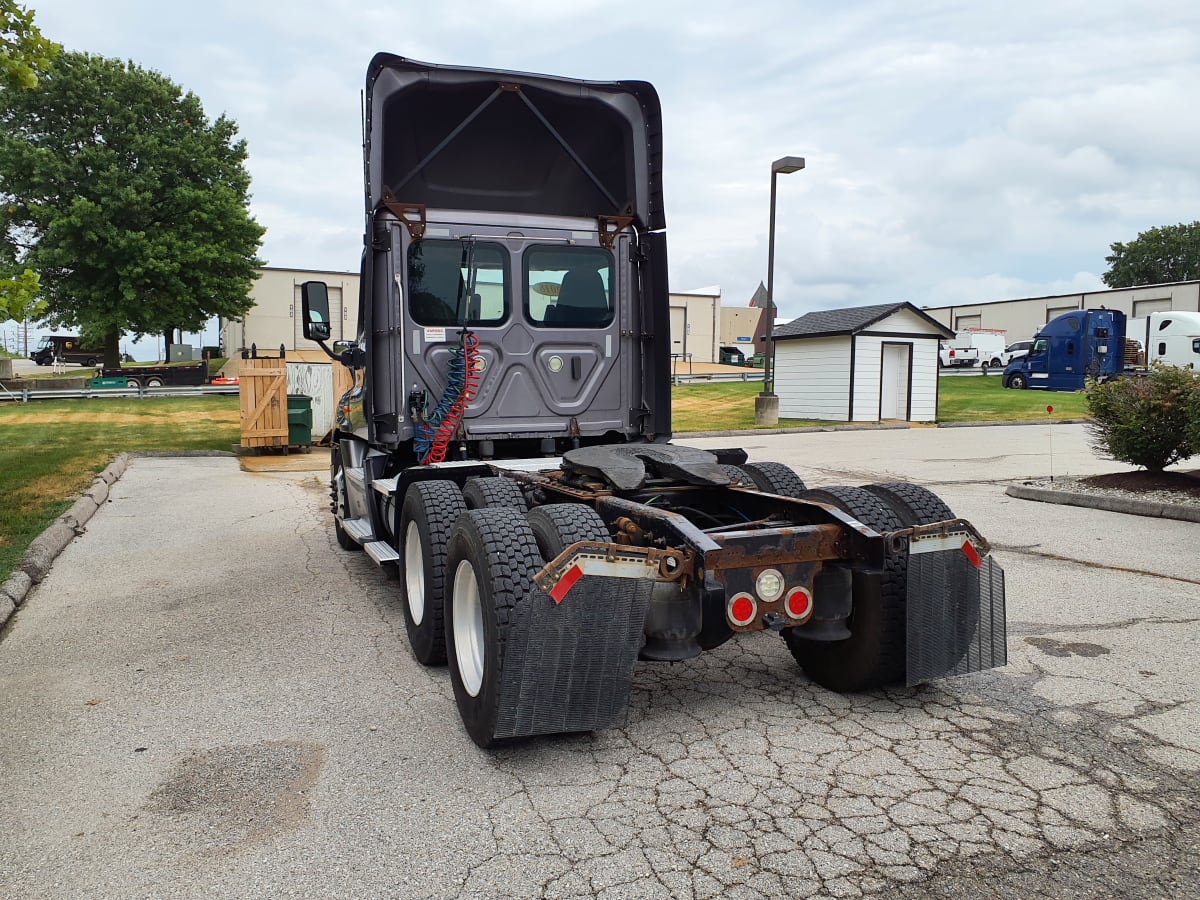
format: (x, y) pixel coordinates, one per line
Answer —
(468, 628)
(414, 573)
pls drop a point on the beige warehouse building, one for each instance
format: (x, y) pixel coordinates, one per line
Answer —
(1021, 318)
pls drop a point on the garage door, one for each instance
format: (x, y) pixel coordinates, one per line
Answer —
(964, 322)
(1052, 311)
(1143, 308)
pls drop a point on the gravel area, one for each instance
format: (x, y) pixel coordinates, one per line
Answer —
(1082, 486)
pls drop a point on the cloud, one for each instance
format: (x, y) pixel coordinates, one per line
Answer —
(953, 149)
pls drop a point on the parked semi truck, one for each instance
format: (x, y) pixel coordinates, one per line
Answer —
(507, 442)
(1091, 343)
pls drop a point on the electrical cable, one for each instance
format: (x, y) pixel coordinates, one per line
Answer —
(462, 383)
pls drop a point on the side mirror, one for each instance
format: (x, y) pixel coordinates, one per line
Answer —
(314, 303)
(340, 347)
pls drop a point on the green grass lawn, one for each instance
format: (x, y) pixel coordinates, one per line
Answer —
(50, 450)
(984, 399)
(713, 407)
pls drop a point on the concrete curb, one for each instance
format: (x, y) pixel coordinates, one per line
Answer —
(1013, 422)
(46, 547)
(1126, 505)
(874, 426)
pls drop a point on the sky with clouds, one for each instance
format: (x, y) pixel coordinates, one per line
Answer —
(955, 151)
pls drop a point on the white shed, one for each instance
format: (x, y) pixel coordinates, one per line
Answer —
(862, 364)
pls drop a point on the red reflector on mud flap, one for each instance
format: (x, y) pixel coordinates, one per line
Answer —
(972, 554)
(564, 585)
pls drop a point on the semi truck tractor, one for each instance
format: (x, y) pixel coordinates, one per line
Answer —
(506, 445)
(1090, 343)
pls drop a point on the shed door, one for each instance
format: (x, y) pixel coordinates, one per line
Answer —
(894, 381)
(678, 329)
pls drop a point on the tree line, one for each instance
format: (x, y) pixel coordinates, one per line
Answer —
(125, 208)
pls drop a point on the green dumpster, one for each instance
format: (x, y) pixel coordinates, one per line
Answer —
(299, 409)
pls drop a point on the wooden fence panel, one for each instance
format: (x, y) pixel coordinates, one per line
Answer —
(263, 390)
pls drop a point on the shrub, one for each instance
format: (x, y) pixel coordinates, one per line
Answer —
(1149, 421)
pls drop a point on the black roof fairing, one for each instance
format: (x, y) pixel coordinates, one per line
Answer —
(462, 138)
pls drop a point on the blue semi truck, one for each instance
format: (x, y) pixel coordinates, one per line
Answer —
(1072, 347)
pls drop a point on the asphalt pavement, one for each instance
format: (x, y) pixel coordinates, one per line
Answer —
(206, 697)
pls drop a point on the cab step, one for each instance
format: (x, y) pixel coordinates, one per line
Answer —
(385, 486)
(382, 552)
(359, 529)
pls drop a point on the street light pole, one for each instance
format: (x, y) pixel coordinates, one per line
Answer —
(766, 405)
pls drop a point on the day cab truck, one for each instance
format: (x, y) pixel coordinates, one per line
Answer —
(1090, 343)
(506, 445)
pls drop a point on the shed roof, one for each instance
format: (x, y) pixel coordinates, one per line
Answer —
(851, 320)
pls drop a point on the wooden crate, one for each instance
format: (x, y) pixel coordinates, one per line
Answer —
(263, 389)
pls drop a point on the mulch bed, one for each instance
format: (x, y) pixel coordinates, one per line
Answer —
(1142, 481)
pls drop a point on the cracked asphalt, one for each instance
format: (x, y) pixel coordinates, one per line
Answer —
(206, 697)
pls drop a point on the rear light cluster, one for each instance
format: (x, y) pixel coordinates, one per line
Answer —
(770, 587)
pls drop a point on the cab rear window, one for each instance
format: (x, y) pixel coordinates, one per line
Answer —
(569, 287)
(453, 282)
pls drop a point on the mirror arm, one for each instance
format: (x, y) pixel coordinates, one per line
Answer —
(354, 358)
(334, 356)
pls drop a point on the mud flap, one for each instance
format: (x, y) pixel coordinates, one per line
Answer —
(955, 609)
(568, 665)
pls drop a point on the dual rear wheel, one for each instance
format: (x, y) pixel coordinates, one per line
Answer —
(467, 560)
(875, 654)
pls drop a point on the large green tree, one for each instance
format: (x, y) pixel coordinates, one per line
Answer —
(1169, 253)
(128, 202)
(24, 52)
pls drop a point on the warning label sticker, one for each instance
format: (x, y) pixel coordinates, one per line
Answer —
(435, 335)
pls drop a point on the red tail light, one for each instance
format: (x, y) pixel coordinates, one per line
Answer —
(742, 609)
(798, 603)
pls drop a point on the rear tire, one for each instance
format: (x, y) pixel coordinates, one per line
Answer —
(132, 383)
(913, 504)
(492, 559)
(738, 476)
(557, 526)
(154, 382)
(776, 478)
(91, 363)
(426, 519)
(874, 654)
(493, 493)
